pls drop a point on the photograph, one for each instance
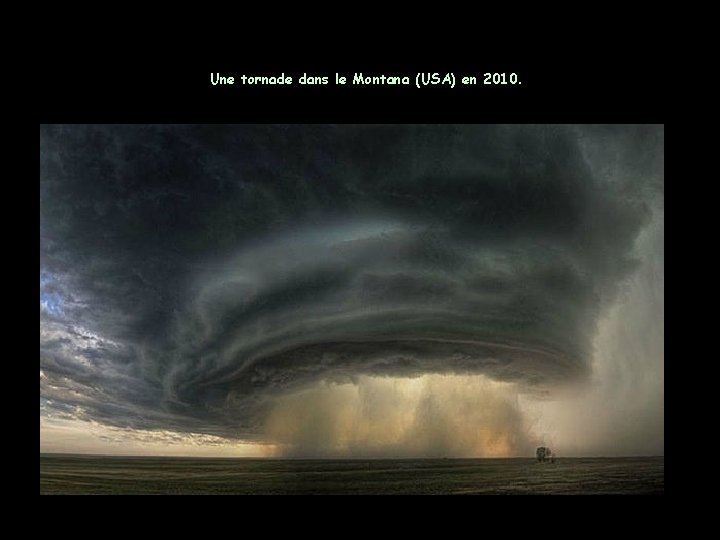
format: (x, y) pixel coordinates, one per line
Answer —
(351, 308)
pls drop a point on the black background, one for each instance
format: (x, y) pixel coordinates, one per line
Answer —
(559, 85)
(89, 82)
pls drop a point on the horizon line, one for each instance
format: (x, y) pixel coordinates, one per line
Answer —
(335, 458)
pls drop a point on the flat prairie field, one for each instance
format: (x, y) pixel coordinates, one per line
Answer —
(106, 475)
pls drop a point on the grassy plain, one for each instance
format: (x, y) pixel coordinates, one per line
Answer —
(65, 474)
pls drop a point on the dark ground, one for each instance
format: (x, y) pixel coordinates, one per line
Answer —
(60, 474)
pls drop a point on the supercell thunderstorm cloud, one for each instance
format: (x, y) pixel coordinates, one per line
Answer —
(349, 290)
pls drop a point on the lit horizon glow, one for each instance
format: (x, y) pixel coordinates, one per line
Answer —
(72, 436)
(376, 417)
(352, 291)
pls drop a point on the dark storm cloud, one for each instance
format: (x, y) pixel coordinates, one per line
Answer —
(190, 272)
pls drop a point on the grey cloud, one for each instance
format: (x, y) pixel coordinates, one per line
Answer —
(203, 270)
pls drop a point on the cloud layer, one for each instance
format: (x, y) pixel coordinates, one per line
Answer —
(193, 277)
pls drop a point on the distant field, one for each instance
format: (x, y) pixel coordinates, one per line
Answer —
(142, 475)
